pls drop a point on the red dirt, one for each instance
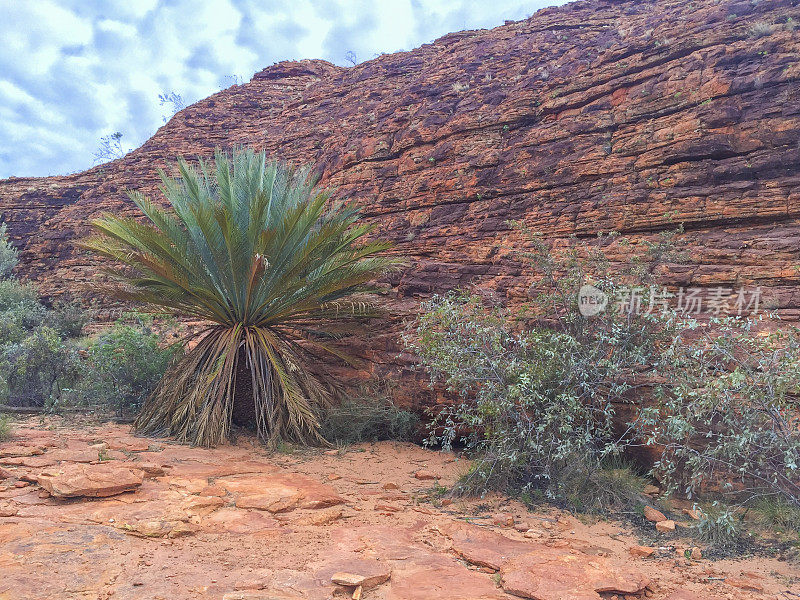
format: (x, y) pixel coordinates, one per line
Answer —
(238, 523)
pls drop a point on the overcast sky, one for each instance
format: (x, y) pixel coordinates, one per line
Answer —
(73, 71)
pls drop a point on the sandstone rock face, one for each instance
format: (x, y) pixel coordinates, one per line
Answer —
(599, 115)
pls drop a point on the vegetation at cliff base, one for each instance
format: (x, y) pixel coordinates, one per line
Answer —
(550, 401)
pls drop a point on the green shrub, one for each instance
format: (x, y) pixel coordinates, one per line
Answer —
(8, 254)
(20, 310)
(729, 417)
(367, 418)
(68, 318)
(5, 428)
(538, 386)
(719, 526)
(123, 365)
(615, 485)
(35, 363)
(38, 368)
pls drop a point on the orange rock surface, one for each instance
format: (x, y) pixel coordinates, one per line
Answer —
(191, 532)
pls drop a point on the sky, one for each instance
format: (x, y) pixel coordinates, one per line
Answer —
(75, 71)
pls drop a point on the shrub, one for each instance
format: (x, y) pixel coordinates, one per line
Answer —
(538, 386)
(777, 514)
(371, 416)
(614, 485)
(5, 428)
(729, 420)
(760, 29)
(68, 318)
(8, 254)
(38, 368)
(20, 309)
(719, 526)
(123, 365)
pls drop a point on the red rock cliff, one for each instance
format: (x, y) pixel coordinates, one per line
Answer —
(595, 116)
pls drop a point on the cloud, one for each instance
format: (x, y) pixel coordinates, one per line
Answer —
(74, 71)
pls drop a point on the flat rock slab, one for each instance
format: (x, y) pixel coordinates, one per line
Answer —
(542, 572)
(555, 574)
(278, 492)
(483, 547)
(18, 450)
(72, 480)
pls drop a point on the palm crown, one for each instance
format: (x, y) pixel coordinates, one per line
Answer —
(278, 270)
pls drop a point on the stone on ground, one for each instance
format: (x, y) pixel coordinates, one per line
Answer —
(70, 480)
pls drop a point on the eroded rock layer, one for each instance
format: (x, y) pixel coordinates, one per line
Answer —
(595, 116)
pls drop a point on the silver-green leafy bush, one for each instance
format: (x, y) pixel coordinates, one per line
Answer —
(8, 254)
(540, 386)
(729, 415)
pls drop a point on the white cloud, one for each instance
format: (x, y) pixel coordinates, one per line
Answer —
(74, 71)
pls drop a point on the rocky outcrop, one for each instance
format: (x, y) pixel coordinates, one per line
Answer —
(595, 116)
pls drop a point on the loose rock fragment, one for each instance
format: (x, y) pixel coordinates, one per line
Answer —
(653, 515)
(665, 526)
(642, 551)
(356, 580)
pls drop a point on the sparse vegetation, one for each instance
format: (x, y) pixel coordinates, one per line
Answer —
(110, 148)
(5, 428)
(369, 416)
(614, 486)
(174, 103)
(719, 526)
(760, 29)
(777, 514)
(8, 254)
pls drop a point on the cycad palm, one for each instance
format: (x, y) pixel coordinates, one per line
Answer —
(275, 267)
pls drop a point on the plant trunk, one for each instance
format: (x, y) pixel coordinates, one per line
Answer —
(244, 407)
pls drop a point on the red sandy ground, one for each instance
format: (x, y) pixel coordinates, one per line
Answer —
(237, 523)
